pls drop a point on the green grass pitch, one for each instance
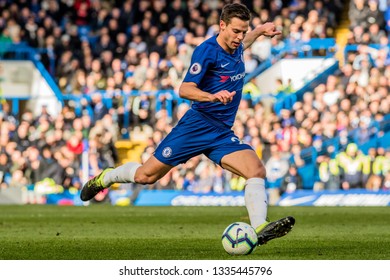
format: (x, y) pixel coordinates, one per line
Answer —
(104, 232)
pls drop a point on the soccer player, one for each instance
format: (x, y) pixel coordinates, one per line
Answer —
(214, 83)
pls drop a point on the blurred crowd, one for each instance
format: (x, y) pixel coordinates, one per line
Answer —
(122, 46)
(145, 45)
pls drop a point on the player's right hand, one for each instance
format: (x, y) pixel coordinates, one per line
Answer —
(224, 96)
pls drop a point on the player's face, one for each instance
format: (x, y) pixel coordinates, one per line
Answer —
(233, 33)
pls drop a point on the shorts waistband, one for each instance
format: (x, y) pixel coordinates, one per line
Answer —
(210, 119)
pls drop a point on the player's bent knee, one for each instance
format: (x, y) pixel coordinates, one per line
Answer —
(263, 172)
(259, 172)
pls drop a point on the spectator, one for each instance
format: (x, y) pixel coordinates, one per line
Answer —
(374, 183)
(219, 183)
(358, 13)
(289, 135)
(74, 143)
(295, 157)
(329, 173)
(49, 167)
(376, 33)
(374, 15)
(141, 109)
(179, 31)
(261, 48)
(205, 178)
(237, 183)
(18, 180)
(332, 94)
(292, 181)
(276, 167)
(352, 165)
(99, 109)
(4, 170)
(251, 90)
(21, 137)
(250, 62)
(190, 182)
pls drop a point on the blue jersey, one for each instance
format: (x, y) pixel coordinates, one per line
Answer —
(206, 128)
(213, 69)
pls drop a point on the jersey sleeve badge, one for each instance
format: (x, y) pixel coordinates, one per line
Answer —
(195, 68)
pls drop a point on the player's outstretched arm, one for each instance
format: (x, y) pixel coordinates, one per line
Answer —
(190, 91)
(267, 29)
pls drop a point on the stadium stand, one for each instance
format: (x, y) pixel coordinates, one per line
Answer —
(115, 66)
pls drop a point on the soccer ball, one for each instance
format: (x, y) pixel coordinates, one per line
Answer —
(239, 239)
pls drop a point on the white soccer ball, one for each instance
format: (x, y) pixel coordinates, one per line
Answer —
(239, 239)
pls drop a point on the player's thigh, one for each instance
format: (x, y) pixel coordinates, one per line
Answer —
(244, 163)
(151, 171)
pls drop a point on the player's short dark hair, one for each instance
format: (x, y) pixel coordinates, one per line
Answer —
(237, 10)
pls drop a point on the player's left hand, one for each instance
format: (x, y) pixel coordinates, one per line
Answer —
(269, 29)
